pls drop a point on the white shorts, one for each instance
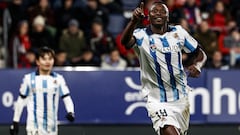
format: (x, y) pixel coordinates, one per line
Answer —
(174, 113)
(40, 132)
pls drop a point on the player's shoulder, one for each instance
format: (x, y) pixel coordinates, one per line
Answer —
(179, 30)
(28, 75)
(176, 28)
(139, 30)
(57, 75)
(139, 33)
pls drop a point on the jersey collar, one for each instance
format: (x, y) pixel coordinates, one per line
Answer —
(51, 74)
(149, 31)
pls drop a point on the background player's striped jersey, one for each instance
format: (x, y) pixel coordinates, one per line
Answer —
(162, 73)
(42, 94)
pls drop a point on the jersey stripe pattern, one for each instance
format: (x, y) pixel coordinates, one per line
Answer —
(42, 93)
(162, 73)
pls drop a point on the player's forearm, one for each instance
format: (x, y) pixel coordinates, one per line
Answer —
(200, 59)
(18, 108)
(127, 38)
(68, 104)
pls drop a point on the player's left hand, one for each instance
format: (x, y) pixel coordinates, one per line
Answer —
(193, 71)
(14, 128)
(70, 116)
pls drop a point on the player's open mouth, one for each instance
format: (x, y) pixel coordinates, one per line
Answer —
(158, 19)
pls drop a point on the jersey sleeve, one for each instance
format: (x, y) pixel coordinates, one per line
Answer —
(24, 87)
(63, 88)
(21, 101)
(189, 43)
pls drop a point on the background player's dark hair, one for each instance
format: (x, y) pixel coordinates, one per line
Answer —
(44, 50)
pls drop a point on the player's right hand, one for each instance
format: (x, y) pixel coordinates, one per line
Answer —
(14, 128)
(138, 13)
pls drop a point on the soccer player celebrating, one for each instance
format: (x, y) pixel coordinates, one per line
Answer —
(40, 92)
(164, 83)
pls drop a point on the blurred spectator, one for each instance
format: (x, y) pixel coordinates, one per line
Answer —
(232, 41)
(113, 61)
(224, 50)
(20, 44)
(64, 14)
(192, 13)
(90, 12)
(61, 58)
(42, 8)
(207, 38)
(88, 59)
(101, 41)
(219, 17)
(184, 23)
(72, 41)
(29, 60)
(40, 36)
(206, 8)
(113, 6)
(14, 13)
(127, 54)
(2, 60)
(176, 13)
(217, 61)
(230, 25)
(235, 10)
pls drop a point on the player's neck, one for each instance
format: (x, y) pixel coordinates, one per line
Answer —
(43, 72)
(159, 29)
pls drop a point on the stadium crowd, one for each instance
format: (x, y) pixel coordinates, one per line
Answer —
(88, 32)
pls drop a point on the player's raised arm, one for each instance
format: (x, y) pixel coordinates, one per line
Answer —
(127, 38)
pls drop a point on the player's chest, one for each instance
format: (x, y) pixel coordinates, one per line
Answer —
(168, 43)
(44, 85)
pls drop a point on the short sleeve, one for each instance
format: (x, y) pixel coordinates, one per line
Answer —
(24, 87)
(63, 88)
(139, 36)
(190, 44)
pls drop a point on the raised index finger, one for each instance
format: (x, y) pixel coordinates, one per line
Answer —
(142, 6)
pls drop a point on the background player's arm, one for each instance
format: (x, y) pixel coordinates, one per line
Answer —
(19, 105)
(127, 38)
(67, 100)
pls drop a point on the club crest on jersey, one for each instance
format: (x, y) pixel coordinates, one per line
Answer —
(55, 81)
(175, 35)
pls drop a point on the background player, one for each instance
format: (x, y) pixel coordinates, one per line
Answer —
(40, 91)
(164, 82)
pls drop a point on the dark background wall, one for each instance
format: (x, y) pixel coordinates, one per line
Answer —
(133, 130)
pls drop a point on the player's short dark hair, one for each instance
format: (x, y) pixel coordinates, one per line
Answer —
(44, 50)
(158, 2)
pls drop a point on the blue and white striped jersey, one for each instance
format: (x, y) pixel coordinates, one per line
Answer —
(162, 73)
(42, 94)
